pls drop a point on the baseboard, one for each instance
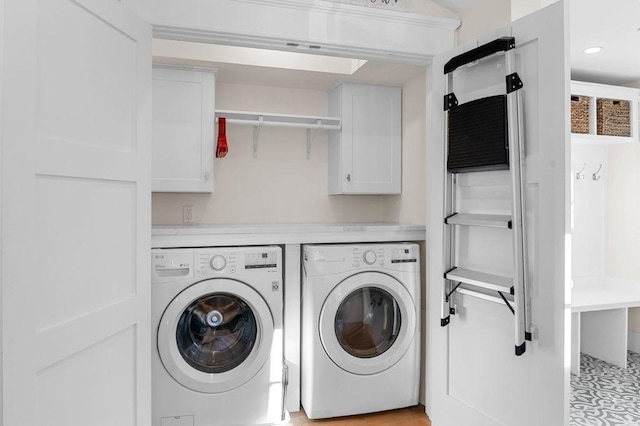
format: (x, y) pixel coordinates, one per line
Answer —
(634, 342)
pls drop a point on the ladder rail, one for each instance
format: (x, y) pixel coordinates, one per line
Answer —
(523, 201)
(449, 231)
(517, 218)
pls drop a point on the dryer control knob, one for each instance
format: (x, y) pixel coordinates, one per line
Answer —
(369, 257)
(218, 262)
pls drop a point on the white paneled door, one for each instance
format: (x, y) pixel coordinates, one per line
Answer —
(76, 115)
(473, 374)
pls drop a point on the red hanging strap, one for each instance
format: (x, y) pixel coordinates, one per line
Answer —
(223, 148)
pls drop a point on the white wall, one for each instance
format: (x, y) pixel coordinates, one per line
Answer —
(482, 17)
(280, 185)
(410, 206)
(623, 236)
(588, 214)
(1, 186)
(429, 8)
(623, 242)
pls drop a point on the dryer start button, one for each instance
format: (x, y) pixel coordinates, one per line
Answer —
(369, 257)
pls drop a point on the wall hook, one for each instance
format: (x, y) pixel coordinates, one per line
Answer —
(596, 175)
(580, 174)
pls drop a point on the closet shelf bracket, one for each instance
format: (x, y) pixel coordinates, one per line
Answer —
(256, 136)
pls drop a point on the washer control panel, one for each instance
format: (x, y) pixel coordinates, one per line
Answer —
(228, 261)
(208, 262)
(169, 265)
(408, 254)
(260, 260)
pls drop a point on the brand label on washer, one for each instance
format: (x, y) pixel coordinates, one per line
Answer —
(275, 285)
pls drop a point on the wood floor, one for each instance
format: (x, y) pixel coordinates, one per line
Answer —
(413, 416)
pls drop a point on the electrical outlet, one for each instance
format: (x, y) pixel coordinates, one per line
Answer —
(187, 214)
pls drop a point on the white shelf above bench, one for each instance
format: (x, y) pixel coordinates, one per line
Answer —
(594, 92)
(264, 119)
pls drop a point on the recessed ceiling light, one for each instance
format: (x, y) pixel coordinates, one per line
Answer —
(593, 49)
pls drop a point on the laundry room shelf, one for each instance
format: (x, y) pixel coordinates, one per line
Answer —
(264, 119)
(481, 279)
(281, 120)
(488, 220)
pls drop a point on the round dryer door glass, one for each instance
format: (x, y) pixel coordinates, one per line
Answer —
(367, 322)
(216, 333)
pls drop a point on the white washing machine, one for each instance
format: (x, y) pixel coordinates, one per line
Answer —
(217, 327)
(360, 328)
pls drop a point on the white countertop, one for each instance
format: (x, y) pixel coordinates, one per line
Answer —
(613, 293)
(166, 236)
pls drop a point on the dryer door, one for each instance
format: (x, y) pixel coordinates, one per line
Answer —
(367, 323)
(215, 335)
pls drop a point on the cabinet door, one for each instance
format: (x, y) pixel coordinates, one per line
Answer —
(370, 141)
(183, 129)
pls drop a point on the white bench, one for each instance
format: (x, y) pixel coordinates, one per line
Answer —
(599, 320)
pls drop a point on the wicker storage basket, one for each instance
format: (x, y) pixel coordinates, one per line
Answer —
(579, 114)
(613, 117)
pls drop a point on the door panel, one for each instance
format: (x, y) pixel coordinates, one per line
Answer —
(76, 214)
(473, 376)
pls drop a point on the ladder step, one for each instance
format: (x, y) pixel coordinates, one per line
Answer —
(488, 220)
(481, 279)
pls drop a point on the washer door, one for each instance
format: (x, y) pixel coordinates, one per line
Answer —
(215, 335)
(367, 323)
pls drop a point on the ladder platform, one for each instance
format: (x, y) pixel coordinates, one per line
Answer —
(487, 220)
(481, 279)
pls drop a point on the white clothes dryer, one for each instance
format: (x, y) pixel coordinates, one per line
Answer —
(360, 328)
(217, 334)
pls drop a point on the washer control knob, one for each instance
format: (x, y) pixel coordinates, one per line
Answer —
(218, 262)
(369, 257)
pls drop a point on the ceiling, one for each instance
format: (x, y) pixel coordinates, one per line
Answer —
(615, 26)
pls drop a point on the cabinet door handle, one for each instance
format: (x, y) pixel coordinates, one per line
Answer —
(349, 177)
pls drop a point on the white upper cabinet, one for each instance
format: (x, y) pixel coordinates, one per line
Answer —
(365, 157)
(604, 114)
(183, 129)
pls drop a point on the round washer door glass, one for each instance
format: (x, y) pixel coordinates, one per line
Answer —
(215, 335)
(216, 332)
(368, 322)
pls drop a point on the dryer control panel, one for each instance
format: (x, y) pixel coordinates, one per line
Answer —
(332, 258)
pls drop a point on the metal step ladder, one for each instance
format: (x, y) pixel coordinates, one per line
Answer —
(485, 134)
